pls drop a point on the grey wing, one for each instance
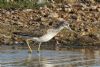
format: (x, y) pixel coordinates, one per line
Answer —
(22, 35)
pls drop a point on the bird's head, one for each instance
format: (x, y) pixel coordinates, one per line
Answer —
(65, 24)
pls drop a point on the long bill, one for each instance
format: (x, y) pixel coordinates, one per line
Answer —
(70, 29)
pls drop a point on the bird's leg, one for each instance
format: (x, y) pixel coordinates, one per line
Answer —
(27, 41)
(39, 47)
(57, 45)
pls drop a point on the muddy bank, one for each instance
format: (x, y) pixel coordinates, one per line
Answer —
(83, 18)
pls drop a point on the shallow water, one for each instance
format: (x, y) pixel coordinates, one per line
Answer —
(50, 58)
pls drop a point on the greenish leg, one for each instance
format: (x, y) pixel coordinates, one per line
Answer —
(39, 47)
(30, 50)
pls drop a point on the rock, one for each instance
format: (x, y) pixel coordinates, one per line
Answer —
(43, 19)
(84, 19)
(54, 15)
(27, 10)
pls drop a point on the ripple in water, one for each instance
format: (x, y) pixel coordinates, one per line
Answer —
(50, 58)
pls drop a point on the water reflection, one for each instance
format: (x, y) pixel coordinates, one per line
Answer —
(50, 58)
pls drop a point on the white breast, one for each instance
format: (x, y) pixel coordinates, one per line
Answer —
(47, 37)
(50, 34)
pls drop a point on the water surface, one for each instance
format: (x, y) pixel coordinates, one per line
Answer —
(50, 58)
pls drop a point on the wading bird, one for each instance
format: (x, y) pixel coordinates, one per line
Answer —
(50, 34)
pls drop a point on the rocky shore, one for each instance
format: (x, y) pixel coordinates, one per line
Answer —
(83, 18)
